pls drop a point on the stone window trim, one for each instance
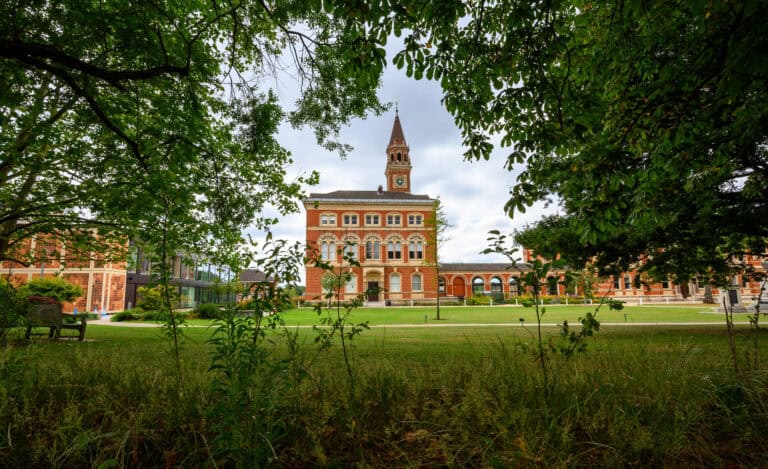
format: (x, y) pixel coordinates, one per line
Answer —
(327, 245)
(351, 244)
(350, 219)
(417, 282)
(394, 219)
(395, 285)
(415, 219)
(372, 244)
(372, 219)
(351, 285)
(416, 247)
(328, 219)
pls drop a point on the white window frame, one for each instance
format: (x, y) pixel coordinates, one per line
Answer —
(351, 285)
(394, 219)
(327, 219)
(375, 219)
(349, 219)
(415, 219)
(421, 282)
(395, 287)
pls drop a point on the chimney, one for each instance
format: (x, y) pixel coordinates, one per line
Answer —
(381, 189)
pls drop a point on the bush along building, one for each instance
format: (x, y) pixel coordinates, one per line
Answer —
(388, 234)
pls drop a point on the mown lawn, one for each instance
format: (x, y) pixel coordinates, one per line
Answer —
(509, 315)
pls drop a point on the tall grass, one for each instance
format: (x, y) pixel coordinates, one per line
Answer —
(631, 400)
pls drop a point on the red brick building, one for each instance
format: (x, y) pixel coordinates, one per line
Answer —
(387, 233)
(102, 280)
(386, 230)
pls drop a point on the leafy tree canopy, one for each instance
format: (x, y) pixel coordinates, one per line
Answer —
(645, 121)
(126, 117)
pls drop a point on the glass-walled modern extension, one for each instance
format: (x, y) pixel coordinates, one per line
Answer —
(197, 280)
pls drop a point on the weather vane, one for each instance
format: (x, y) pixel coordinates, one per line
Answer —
(396, 105)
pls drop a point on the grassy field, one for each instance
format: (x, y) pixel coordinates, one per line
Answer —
(456, 396)
(510, 315)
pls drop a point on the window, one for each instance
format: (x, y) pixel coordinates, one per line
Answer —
(552, 286)
(350, 250)
(478, 286)
(393, 219)
(665, 284)
(416, 250)
(496, 285)
(414, 219)
(616, 285)
(513, 286)
(328, 251)
(350, 219)
(627, 282)
(372, 249)
(394, 283)
(416, 282)
(441, 285)
(372, 219)
(394, 250)
(351, 285)
(328, 219)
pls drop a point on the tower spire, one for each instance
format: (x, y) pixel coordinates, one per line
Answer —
(398, 170)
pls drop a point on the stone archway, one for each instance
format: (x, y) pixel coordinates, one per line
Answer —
(374, 286)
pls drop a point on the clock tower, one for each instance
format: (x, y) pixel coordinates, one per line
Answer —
(398, 170)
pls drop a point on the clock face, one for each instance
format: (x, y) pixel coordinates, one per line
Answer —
(400, 181)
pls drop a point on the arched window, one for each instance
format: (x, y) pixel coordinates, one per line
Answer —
(391, 157)
(552, 286)
(394, 283)
(496, 285)
(373, 249)
(394, 249)
(328, 251)
(441, 285)
(416, 249)
(399, 156)
(478, 286)
(416, 282)
(513, 286)
(350, 248)
(351, 285)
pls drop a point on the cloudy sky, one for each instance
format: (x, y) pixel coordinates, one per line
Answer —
(473, 193)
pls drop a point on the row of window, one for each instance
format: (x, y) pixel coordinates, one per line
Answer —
(371, 219)
(373, 250)
(394, 283)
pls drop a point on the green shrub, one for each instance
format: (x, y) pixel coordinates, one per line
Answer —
(128, 315)
(11, 308)
(153, 298)
(528, 303)
(479, 300)
(158, 315)
(58, 288)
(209, 311)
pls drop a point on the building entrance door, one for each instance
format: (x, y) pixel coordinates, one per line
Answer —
(373, 291)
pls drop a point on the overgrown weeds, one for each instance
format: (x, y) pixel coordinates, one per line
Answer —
(645, 401)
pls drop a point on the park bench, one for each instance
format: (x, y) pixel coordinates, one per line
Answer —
(47, 313)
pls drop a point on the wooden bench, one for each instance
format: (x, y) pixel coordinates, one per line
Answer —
(49, 315)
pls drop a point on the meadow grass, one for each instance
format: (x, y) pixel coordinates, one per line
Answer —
(465, 396)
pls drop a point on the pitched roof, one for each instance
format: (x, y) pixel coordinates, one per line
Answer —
(252, 276)
(397, 138)
(483, 267)
(369, 196)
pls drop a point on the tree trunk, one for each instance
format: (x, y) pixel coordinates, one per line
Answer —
(708, 298)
